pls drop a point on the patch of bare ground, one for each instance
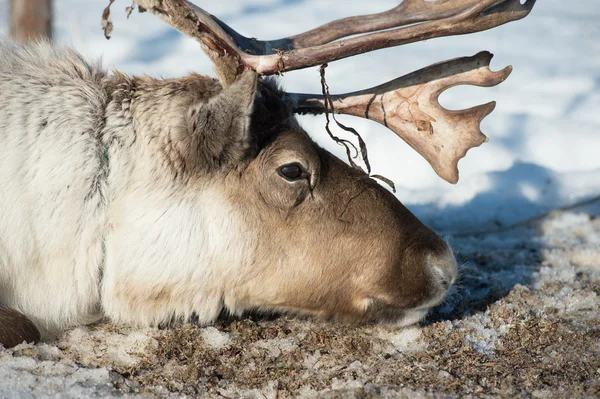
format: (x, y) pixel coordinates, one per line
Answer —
(539, 354)
(524, 321)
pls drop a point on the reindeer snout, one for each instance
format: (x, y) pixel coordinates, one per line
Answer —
(444, 270)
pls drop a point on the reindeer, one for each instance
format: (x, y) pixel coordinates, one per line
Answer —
(147, 201)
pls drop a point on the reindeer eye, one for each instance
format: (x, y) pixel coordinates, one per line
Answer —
(292, 172)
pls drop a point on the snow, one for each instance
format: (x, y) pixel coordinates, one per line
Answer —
(24, 377)
(407, 339)
(276, 346)
(90, 346)
(214, 338)
(542, 155)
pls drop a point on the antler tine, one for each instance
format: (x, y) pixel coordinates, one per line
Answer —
(187, 18)
(408, 12)
(482, 15)
(409, 106)
(232, 51)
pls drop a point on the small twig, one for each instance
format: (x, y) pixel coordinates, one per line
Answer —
(106, 23)
(387, 181)
(329, 108)
(348, 204)
(129, 10)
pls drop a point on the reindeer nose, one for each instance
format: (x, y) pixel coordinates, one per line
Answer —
(443, 268)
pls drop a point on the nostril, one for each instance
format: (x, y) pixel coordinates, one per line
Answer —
(444, 268)
(443, 278)
(445, 282)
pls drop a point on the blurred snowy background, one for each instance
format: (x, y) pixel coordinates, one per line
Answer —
(544, 148)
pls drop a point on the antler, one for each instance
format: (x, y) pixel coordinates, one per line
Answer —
(444, 18)
(408, 12)
(409, 106)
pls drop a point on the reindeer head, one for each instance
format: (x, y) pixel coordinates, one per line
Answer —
(297, 228)
(237, 208)
(330, 240)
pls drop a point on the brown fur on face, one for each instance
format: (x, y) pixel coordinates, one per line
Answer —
(331, 242)
(335, 243)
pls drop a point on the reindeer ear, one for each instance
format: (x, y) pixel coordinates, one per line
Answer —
(220, 128)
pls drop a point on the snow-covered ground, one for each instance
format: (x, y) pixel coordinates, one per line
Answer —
(524, 322)
(544, 140)
(528, 298)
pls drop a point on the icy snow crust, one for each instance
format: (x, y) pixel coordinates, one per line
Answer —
(524, 317)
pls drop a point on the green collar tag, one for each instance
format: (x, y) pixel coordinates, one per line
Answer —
(105, 153)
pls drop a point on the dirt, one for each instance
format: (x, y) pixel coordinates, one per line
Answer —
(524, 321)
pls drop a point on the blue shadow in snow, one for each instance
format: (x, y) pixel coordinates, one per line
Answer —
(260, 9)
(492, 265)
(580, 99)
(506, 202)
(157, 47)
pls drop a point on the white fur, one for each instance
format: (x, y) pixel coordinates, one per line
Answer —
(50, 237)
(196, 250)
(78, 234)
